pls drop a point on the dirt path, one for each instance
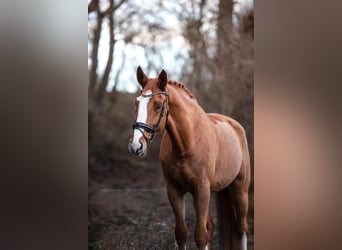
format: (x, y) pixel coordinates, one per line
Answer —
(128, 208)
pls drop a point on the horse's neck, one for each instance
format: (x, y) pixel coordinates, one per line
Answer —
(185, 121)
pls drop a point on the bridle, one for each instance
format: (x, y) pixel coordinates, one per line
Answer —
(152, 130)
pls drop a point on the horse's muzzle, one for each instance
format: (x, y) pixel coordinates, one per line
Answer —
(137, 149)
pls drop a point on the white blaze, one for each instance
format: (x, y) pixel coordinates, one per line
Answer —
(142, 117)
(244, 241)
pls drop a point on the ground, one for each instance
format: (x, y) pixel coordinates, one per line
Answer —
(129, 209)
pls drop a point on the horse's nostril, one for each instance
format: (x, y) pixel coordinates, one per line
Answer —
(141, 145)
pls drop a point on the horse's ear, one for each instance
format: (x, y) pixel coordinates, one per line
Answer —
(162, 80)
(141, 77)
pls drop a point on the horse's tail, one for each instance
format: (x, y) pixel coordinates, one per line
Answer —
(226, 221)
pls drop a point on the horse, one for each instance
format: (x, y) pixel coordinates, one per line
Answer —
(200, 153)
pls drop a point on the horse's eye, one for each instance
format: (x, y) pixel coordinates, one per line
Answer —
(158, 105)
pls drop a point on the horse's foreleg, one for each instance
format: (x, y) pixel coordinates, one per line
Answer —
(210, 226)
(201, 203)
(177, 202)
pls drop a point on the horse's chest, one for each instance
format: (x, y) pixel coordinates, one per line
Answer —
(180, 175)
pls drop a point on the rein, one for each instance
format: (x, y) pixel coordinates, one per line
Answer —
(152, 129)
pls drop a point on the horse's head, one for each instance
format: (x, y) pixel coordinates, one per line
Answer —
(150, 111)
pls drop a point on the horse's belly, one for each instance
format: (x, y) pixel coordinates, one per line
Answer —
(224, 176)
(228, 160)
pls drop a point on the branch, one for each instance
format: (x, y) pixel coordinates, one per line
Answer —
(93, 6)
(112, 8)
(117, 6)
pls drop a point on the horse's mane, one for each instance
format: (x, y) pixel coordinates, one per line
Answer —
(182, 86)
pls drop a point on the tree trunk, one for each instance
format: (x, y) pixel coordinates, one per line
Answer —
(94, 52)
(198, 53)
(222, 88)
(224, 28)
(102, 87)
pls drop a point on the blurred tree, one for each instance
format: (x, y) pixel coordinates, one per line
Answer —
(94, 91)
(224, 33)
(131, 24)
(221, 88)
(247, 23)
(195, 37)
(94, 7)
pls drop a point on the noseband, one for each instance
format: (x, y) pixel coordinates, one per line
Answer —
(145, 127)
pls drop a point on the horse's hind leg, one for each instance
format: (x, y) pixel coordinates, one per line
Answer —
(177, 202)
(240, 195)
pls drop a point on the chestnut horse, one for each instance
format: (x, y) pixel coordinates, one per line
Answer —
(200, 153)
